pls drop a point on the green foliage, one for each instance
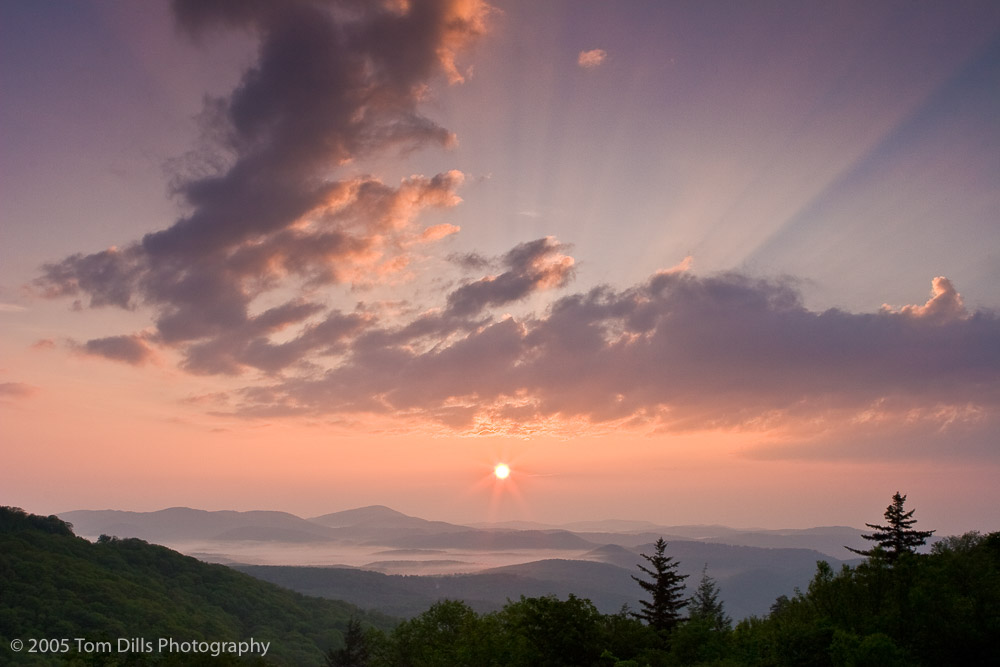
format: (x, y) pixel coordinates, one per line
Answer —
(355, 651)
(527, 632)
(938, 609)
(15, 519)
(54, 584)
(706, 607)
(549, 631)
(449, 633)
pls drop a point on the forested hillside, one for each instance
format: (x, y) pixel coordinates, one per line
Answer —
(932, 610)
(55, 585)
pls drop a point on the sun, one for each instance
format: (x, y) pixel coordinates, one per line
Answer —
(501, 470)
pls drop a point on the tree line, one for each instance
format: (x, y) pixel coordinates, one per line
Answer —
(897, 608)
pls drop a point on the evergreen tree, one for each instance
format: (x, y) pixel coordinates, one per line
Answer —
(663, 611)
(898, 536)
(706, 606)
(355, 651)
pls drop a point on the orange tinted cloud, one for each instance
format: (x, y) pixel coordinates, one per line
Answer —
(945, 303)
(438, 232)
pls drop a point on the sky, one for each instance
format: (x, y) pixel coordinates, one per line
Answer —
(686, 262)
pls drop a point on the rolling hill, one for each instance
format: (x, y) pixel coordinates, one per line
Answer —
(55, 584)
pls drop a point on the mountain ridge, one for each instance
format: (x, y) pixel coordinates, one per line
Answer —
(382, 525)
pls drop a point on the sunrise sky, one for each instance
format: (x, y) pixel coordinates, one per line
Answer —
(688, 262)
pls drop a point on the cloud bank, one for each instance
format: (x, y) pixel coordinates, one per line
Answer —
(676, 353)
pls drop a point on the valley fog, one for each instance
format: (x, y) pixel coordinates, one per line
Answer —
(368, 557)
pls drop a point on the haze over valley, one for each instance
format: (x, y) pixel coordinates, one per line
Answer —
(592, 559)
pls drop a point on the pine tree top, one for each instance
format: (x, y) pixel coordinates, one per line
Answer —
(897, 536)
(666, 590)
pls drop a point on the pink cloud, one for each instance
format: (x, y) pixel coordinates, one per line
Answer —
(438, 232)
(944, 305)
(592, 58)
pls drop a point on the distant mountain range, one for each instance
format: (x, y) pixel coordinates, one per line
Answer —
(593, 559)
(379, 525)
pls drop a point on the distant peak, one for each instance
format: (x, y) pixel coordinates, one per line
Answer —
(368, 513)
(176, 510)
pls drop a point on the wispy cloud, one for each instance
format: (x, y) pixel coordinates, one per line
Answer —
(16, 390)
(592, 58)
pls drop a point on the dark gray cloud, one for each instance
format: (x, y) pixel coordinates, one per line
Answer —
(470, 261)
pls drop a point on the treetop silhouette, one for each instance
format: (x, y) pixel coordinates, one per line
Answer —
(663, 611)
(897, 536)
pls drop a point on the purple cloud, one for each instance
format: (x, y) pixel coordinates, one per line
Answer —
(677, 352)
(332, 82)
(127, 349)
(530, 266)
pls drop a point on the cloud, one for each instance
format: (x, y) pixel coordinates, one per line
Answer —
(944, 305)
(237, 284)
(333, 82)
(16, 390)
(889, 432)
(592, 58)
(438, 232)
(675, 353)
(470, 261)
(131, 350)
(532, 266)
(11, 308)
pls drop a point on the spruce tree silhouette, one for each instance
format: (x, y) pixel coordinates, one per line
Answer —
(897, 536)
(706, 606)
(663, 611)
